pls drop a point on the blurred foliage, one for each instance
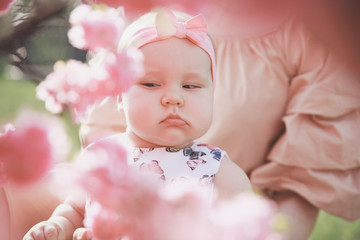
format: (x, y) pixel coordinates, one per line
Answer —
(24, 18)
(33, 36)
(16, 95)
(333, 228)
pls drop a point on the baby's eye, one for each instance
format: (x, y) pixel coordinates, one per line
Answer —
(190, 86)
(150, 85)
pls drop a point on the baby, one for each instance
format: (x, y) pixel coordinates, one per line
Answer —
(166, 110)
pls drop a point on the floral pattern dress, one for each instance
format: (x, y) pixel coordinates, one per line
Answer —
(199, 162)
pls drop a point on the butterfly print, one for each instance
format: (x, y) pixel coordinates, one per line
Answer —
(193, 154)
(214, 150)
(154, 167)
(216, 153)
(207, 180)
(193, 163)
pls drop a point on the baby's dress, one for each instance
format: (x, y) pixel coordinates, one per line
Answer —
(198, 162)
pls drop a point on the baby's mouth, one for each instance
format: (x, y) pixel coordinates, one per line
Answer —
(174, 120)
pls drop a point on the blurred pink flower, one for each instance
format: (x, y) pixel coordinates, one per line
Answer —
(121, 70)
(254, 18)
(105, 175)
(101, 165)
(65, 85)
(30, 148)
(247, 216)
(5, 5)
(95, 28)
(78, 85)
(184, 213)
(134, 8)
(126, 201)
(132, 4)
(104, 224)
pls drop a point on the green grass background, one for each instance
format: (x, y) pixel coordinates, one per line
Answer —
(18, 94)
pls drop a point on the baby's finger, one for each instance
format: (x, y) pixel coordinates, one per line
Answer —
(81, 234)
(50, 232)
(38, 234)
(27, 237)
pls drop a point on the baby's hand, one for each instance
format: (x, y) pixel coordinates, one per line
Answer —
(45, 231)
(82, 234)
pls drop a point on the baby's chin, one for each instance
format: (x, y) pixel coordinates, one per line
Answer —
(174, 142)
(170, 137)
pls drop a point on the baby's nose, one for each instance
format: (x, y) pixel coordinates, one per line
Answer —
(172, 99)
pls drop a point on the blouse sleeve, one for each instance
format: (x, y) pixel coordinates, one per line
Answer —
(318, 153)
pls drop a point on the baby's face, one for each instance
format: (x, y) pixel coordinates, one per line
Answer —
(172, 104)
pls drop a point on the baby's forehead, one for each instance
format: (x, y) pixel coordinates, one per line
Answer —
(175, 51)
(173, 45)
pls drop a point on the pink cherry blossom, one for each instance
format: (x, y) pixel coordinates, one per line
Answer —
(134, 8)
(136, 205)
(104, 223)
(184, 213)
(105, 175)
(120, 70)
(126, 201)
(5, 5)
(29, 149)
(131, 7)
(132, 4)
(259, 16)
(78, 85)
(101, 166)
(247, 216)
(65, 85)
(95, 29)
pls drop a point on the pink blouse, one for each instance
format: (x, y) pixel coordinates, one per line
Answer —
(289, 115)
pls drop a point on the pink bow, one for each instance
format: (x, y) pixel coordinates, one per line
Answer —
(194, 29)
(167, 25)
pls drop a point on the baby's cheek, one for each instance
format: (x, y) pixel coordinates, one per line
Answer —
(203, 119)
(140, 117)
(206, 115)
